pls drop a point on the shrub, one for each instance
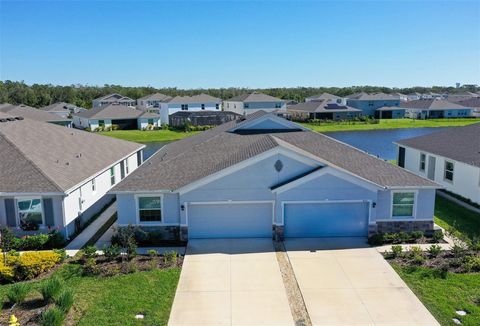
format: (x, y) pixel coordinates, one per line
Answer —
(18, 292)
(129, 267)
(437, 235)
(90, 252)
(90, 267)
(170, 257)
(34, 242)
(88, 129)
(458, 249)
(32, 264)
(51, 288)
(112, 271)
(471, 263)
(64, 301)
(434, 250)
(415, 255)
(52, 317)
(115, 127)
(397, 250)
(376, 239)
(403, 237)
(7, 241)
(131, 249)
(62, 253)
(55, 240)
(474, 244)
(416, 235)
(152, 253)
(112, 251)
(7, 274)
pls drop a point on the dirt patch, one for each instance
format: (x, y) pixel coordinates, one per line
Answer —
(27, 313)
(295, 298)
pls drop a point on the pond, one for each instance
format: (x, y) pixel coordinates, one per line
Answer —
(376, 142)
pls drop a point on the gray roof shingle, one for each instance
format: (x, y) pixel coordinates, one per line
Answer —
(321, 106)
(30, 113)
(255, 97)
(201, 98)
(155, 97)
(431, 104)
(110, 111)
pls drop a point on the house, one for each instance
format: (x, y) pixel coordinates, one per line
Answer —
(414, 96)
(456, 97)
(432, 96)
(326, 96)
(113, 98)
(152, 102)
(188, 103)
(322, 109)
(368, 103)
(115, 115)
(249, 103)
(34, 114)
(435, 109)
(400, 96)
(449, 157)
(266, 176)
(472, 103)
(390, 112)
(201, 118)
(56, 177)
(62, 109)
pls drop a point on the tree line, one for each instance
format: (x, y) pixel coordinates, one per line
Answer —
(39, 95)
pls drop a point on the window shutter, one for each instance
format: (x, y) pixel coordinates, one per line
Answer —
(48, 210)
(10, 210)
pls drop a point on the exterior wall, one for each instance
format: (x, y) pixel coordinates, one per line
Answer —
(303, 115)
(466, 178)
(167, 109)
(143, 123)
(396, 114)
(240, 107)
(424, 114)
(369, 107)
(97, 103)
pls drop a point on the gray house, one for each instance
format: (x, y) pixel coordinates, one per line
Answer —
(369, 103)
(322, 109)
(62, 109)
(201, 118)
(113, 98)
(34, 114)
(266, 176)
(435, 109)
(249, 103)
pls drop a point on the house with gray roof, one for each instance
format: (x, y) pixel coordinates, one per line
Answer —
(264, 176)
(449, 157)
(435, 109)
(152, 102)
(322, 109)
(390, 112)
(115, 116)
(249, 103)
(62, 109)
(472, 103)
(201, 102)
(113, 98)
(34, 114)
(326, 96)
(370, 102)
(56, 177)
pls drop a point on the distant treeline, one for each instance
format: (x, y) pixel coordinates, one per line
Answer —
(39, 95)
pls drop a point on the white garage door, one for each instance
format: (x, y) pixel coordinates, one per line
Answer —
(230, 220)
(341, 219)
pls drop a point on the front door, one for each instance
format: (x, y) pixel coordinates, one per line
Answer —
(431, 168)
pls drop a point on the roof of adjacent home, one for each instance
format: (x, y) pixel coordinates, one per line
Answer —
(362, 96)
(30, 113)
(156, 97)
(58, 107)
(457, 143)
(203, 113)
(391, 108)
(201, 98)
(183, 162)
(473, 102)
(324, 96)
(39, 157)
(255, 97)
(321, 106)
(115, 97)
(110, 111)
(431, 104)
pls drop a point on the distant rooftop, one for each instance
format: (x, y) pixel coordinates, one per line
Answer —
(156, 97)
(111, 111)
(321, 106)
(371, 96)
(115, 97)
(255, 97)
(431, 104)
(30, 113)
(201, 98)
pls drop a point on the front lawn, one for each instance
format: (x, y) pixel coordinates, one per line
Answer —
(443, 297)
(449, 214)
(389, 124)
(141, 136)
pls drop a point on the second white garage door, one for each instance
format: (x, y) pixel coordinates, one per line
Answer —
(230, 220)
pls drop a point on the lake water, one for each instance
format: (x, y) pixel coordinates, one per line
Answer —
(376, 142)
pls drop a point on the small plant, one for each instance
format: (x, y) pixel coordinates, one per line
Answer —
(415, 255)
(376, 239)
(52, 317)
(62, 253)
(434, 250)
(403, 237)
(416, 235)
(112, 271)
(458, 249)
(437, 235)
(474, 244)
(397, 250)
(90, 267)
(18, 292)
(170, 257)
(471, 263)
(51, 288)
(90, 252)
(131, 249)
(13, 321)
(64, 301)
(129, 267)
(152, 253)
(112, 251)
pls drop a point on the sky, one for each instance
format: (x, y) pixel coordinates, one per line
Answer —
(256, 44)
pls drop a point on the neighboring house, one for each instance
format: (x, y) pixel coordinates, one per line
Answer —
(152, 102)
(327, 96)
(201, 118)
(62, 109)
(249, 103)
(322, 109)
(435, 109)
(115, 114)
(202, 102)
(390, 112)
(449, 157)
(432, 96)
(472, 103)
(56, 177)
(113, 98)
(266, 176)
(400, 96)
(456, 97)
(413, 96)
(34, 114)
(369, 103)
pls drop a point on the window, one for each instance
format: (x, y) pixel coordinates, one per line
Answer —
(150, 121)
(422, 161)
(370, 103)
(402, 204)
(101, 123)
(30, 211)
(112, 176)
(448, 175)
(184, 107)
(217, 106)
(94, 185)
(203, 106)
(150, 209)
(126, 166)
(245, 106)
(278, 105)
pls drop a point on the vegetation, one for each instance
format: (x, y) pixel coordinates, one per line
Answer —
(450, 215)
(28, 265)
(141, 136)
(51, 288)
(405, 237)
(18, 292)
(52, 317)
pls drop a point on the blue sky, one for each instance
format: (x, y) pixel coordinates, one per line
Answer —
(241, 43)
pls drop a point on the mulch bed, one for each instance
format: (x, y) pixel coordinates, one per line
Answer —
(27, 313)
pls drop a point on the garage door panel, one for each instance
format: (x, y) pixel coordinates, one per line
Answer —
(326, 220)
(230, 220)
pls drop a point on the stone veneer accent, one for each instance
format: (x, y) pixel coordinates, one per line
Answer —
(278, 232)
(184, 233)
(400, 226)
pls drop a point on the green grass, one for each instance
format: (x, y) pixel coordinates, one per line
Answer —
(141, 136)
(116, 300)
(443, 296)
(449, 214)
(391, 124)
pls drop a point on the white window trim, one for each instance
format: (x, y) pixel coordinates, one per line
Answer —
(17, 211)
(403, 218)
(137, 210)
(445, 171)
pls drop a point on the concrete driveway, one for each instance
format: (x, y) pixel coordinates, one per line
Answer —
(230, 282)
(344, 282)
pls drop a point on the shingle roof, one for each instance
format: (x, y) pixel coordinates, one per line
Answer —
(114, 98)
(202, 98)
(473, 102)
(390, 108)
(30, 113)
(431, 104)
(156, 97)
(322, 106)
(371, 97)
(203, 113)
(110, 111)
(255, 97)
(57, 107)
(458, 143)
(324, 96)
(42, 157)
(183, 162)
